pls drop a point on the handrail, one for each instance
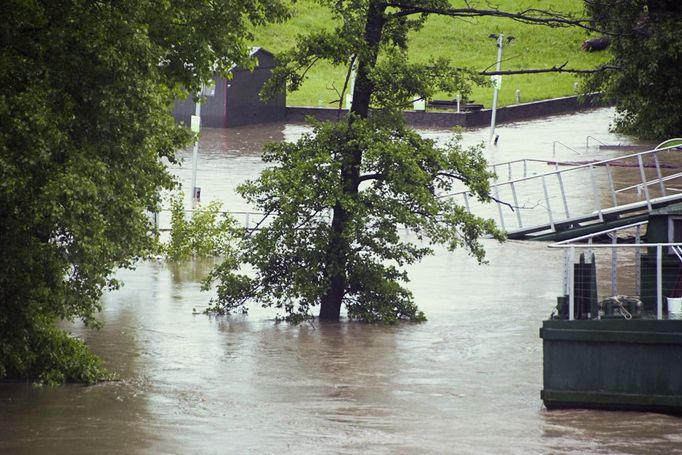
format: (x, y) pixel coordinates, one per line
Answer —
(566, 146)
(508, 165)
(570, 259)
(675, 139)
(597, 234)
(650, 182)
(587, 141)
(570, 169)
(616, 245)
(531, 160)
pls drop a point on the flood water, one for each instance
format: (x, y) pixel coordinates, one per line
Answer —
(467, 381)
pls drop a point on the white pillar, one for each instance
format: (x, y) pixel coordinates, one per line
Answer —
(498, 81)
(196, 127)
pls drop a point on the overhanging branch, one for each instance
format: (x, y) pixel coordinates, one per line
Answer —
(373, 176)
(530, 16)
(554, 69)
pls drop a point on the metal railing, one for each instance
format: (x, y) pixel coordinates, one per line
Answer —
(570, 275)
(587, 142)
(555, 143)
(562, 197)
(620, 265)
(510, 166)
(247, 220)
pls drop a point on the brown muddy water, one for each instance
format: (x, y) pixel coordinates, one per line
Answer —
(466, 382)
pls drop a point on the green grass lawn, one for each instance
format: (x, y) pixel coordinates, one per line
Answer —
(465, 43)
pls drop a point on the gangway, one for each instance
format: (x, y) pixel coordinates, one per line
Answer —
(596, 195)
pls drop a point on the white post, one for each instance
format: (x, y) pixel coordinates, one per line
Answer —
(349, 95)
(571, 285)
(497, 81)
(614, 263)
(659, 282)
(196, 127)
(638, 264)
(206, 90)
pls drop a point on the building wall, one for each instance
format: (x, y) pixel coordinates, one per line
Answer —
(244, 105)
(613, 364)
(212, 110)
(237, 101)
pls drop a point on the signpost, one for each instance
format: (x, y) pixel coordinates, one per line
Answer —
(497, 84)
(195, 126)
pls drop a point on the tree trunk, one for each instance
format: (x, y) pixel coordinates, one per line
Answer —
(339, 242)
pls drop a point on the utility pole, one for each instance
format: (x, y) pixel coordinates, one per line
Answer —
(497, 83)
(196, 127)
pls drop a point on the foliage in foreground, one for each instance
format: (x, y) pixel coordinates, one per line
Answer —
(207, 233)
(85, 96)
(647, 50)
(52, 356)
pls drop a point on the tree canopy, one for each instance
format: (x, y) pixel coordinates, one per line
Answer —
(85, 95)
(646, 51)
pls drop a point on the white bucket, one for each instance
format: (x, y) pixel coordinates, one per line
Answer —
(674, 307)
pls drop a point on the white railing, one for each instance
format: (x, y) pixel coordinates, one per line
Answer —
(583, 192)
(510, 166)
(625, 268)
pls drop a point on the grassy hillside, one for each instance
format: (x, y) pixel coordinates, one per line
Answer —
(466, 43)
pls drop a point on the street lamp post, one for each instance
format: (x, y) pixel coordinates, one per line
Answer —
(206, 90)
(497, 83)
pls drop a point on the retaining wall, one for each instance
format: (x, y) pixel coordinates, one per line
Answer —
(442, 119)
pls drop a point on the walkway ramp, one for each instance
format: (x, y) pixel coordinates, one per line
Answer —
(581, 198)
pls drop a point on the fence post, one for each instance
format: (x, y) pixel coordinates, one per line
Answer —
(638, 264)
(659, 175)
(516, 205)
(499, 208)
(549, 208)
(614, 263)
(644, 182)
(659, 282)
(595, 191)
(563, 194)
(612, 189)
(571, 285)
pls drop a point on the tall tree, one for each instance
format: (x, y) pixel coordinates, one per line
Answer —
(647, 50)
(340, 194)
(86, 89)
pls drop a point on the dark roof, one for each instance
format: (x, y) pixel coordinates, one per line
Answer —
(257, 52)
(672, 209)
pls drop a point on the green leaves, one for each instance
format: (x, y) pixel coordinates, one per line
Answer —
(85, 126)
(402, 177)
(339, 199)
(646, 47)
(207, 233)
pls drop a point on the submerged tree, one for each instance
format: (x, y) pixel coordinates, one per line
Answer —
(647, 50)
(85, 95)
(337, 198)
